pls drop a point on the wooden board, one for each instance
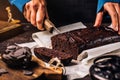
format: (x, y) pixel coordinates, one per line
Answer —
(37, 66)
(5, 26)
(8, 30)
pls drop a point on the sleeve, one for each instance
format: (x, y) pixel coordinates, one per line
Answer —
(102, 2)
(19, 3)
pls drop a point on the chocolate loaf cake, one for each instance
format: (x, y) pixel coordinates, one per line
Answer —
(74, 42)
(46, 54)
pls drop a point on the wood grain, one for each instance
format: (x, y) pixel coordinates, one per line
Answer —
(8, 30)
(37, 66)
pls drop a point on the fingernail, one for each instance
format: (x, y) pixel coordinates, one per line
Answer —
(94, 25)
(119, 32)
(40, 28)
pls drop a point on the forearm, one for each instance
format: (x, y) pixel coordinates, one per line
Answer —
(102, 2)
(19, 3)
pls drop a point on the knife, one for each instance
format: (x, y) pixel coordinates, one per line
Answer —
(48, 25)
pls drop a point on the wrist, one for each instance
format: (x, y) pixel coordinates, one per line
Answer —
(19, 3)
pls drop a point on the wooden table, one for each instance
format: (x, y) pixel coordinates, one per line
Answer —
(25, 36)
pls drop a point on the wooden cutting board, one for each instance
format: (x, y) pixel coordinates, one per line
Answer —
(6, 26)
(37, 66)
(8, 30)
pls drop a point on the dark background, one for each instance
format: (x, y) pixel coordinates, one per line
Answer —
(61, 12)
(70, 11)
(14, 10)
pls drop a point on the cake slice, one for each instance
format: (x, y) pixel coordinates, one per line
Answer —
(47, 54)
(74, 42)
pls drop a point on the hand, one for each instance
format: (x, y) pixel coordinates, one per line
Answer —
(35, 11)
(113, 10)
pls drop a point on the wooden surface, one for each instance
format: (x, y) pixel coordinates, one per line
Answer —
(6, 26)
(8, 30)
(37, 66)
(3, 13)
(26, 37)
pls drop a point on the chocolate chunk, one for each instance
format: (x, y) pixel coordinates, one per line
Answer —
(3, 71)
(17, 56)
(117, 76)
(106, 68)
(27, 72)
(13, 47)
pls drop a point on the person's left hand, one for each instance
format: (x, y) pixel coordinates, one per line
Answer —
(113, 10)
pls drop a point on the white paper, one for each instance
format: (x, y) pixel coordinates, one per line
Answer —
(77, 71)
(98, 51)
(28, 44)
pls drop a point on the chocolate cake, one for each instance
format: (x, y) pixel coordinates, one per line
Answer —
(16, 56)
(46, 54)
(74, 42)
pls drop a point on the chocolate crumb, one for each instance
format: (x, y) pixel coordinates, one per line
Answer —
(3, 71)
(27, 72)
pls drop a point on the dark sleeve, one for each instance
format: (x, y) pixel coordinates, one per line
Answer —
(19, 3)
(102, 2)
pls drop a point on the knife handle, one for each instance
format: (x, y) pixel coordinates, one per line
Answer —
(48, 25)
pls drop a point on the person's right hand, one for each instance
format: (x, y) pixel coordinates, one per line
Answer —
(35, 12)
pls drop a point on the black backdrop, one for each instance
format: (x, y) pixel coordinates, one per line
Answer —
(61, 12)
(69, 11)
(3, 13)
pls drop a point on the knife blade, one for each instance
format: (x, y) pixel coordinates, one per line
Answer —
(48, 25)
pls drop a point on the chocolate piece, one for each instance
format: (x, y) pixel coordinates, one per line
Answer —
(27, 72)
(74, 42)
(3, 71)
(106, 68)
(46, 54)
(17, 56)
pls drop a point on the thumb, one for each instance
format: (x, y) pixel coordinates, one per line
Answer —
(99, 19)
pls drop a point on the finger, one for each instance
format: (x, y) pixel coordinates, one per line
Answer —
(44, 4)
(109, 7)
(24, 12)
(117, 7)
(99, 18)
(119, 25)
(46, 13)
(40, 17)
(28, 12)
(33, 14)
